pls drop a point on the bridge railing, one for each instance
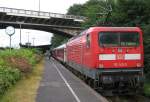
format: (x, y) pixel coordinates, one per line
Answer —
(39, 13)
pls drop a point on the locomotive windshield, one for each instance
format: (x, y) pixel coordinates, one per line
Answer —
(118, 39)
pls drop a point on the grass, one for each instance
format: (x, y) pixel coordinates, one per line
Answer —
(25, 90)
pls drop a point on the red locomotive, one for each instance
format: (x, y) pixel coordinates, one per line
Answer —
(112, 57)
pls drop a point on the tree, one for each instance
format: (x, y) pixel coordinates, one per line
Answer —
(57, 40)
(129, 12)
(76, 9)
(90, 10)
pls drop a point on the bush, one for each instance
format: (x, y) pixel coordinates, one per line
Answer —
(19, 62)
(23, 59)
(8, 77)
(146, 30)
(12, 63)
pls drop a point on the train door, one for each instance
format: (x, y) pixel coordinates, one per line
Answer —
(86, 50)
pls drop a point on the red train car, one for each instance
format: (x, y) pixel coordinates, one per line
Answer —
(60, 53)
(111, 56)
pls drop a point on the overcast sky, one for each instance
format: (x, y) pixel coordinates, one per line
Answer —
(55, 6)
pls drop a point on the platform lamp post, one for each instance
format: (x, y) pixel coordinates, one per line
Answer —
(33, 40)
(28, 42)
(20, 23)
(20, 33)
(10, 31)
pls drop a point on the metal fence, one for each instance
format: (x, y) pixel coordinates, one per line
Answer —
(40, 13)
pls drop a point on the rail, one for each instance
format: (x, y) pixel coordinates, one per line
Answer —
(40, 13)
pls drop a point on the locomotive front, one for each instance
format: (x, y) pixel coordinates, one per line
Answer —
(120, 58)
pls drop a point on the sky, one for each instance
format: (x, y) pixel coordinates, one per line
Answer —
(55, 6)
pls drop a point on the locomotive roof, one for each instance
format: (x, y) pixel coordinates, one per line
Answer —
(114, 29)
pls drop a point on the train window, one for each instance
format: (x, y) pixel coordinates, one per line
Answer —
(119, 39)
(108, 39)
(128, 39)
(88, 41)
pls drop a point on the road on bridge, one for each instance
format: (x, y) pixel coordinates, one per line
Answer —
(60, 85)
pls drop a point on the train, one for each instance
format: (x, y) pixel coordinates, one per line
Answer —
(112, 58)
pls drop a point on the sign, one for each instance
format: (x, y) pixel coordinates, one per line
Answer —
(120, 56)
(10, 30)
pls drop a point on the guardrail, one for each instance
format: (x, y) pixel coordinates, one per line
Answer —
(40, 13)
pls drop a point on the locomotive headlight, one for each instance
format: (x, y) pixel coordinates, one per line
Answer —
(107, 57)
(132, 56)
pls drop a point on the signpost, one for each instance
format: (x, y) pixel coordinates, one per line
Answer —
(10, 31)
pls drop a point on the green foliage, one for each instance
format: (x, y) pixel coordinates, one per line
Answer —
(12, 63)
(8, 77)
(58, 40)
(125, 12)
(76, 9)
(147, 89)
(129, 13)
(28, 54)
(147, 48)
(90, 9)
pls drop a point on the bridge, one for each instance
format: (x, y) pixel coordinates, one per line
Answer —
(43, 48)
(56, 23)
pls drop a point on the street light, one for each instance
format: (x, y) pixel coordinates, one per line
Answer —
(20, 26)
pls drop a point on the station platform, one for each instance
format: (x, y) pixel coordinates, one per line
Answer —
(59, 85)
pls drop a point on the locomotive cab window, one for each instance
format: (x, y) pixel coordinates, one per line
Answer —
(123, 39)
(88, 41)
(108, 39)
(128, 39)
